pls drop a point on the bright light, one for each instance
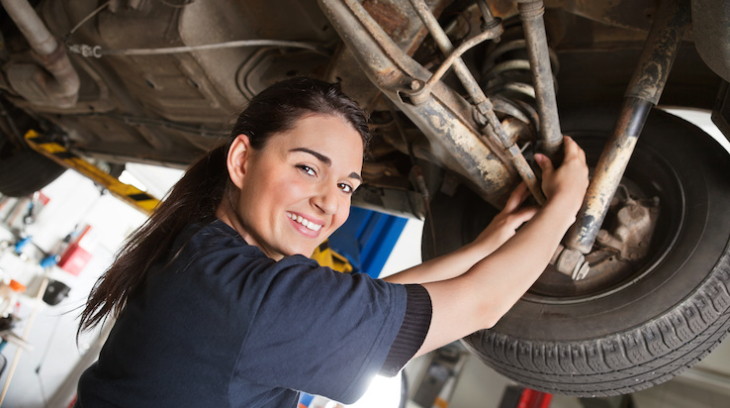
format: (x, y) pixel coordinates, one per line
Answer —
(129, 178)
(384, 392)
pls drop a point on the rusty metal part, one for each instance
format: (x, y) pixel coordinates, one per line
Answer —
(488, 17)
(445, 118)
(481, 101)
(32, 27)
(525, 171)
(609, 170)
(516, 129)
(455, 58)
(643, 92)
(635, 223)
(499, 78)
(471, 85)
(628, 14)
(61, 87)
(627, 241)
(511, 108)
(515, 45)
(660, 50)
(531, 14)
(571, 263)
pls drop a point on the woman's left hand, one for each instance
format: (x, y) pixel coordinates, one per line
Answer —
(505, 224)
(455, 263)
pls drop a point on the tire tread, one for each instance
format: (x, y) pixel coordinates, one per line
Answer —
(626, 362)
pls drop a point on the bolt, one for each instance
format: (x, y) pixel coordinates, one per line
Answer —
(582, 272)
(569, 262)
(415, 85)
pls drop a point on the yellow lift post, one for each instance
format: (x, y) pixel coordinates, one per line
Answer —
(125, 192)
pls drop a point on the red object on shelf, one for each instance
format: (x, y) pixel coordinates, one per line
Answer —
(74, 259)
(43, 199)
(534, 399)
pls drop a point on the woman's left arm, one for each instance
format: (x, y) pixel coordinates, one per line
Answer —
(456, 263)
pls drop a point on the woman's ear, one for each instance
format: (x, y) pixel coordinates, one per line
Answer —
(237, 160)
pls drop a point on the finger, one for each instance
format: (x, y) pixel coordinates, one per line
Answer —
(519, 194)
(569, 145)
(572, 150)
(522, 216)
(545, 164)
(525, 193)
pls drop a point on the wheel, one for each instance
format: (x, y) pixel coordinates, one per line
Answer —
(24, 171)
(622, 332)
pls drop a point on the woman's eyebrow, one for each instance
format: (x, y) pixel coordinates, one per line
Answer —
(356, 176)
(324, 159)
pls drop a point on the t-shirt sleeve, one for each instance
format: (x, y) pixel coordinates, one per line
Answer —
(328, 333)
(413, 330)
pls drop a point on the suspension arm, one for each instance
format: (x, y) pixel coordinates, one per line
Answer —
(643, 93)
(531, 14)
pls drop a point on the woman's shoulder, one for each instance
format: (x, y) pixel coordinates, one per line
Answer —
(212, 234)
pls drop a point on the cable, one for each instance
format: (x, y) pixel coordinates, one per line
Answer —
(85, 19)
(180, 127)
(184, 4)
(97, 52)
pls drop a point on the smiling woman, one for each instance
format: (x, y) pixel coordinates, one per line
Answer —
(297, 192)
(217, 303)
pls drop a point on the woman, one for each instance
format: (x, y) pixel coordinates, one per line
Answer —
(218, 305)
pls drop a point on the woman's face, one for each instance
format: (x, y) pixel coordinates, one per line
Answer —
(296, 190)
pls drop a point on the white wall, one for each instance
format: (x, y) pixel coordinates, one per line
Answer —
(74, 200)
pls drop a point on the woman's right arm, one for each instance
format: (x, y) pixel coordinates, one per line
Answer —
(451, 265)
(480, 297)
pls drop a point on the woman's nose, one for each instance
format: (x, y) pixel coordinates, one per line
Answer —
(326, 199)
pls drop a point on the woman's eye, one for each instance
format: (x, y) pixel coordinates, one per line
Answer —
(346, 188)
(307, 169)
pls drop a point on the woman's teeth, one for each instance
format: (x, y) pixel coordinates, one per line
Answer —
(310, 225)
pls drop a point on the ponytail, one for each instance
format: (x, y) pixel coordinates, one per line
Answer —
(194, 198)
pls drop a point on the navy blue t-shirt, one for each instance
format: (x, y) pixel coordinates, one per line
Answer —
(222, 325)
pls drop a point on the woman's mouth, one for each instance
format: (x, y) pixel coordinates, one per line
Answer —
(303, 221)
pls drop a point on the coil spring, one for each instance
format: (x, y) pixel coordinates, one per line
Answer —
(506, 76)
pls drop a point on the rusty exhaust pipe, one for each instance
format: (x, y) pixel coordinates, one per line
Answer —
(61, 87)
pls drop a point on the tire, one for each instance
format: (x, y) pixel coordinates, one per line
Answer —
(25, 171)
(607, 338)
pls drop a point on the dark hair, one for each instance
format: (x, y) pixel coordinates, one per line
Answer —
(199, 192)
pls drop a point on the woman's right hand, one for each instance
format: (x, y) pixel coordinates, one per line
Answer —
(568, 183)
(478, 298)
